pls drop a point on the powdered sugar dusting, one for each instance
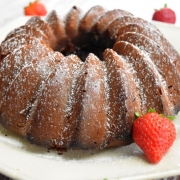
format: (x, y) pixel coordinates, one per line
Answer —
(18, 42)
(53, 106)
(153, 34)
(23, 92)
(146, 80)
(126, 20)
(12, 64)
(162, 64)
(90, 18)
(72, 22)
(123, 95)
(109, 17)
(56, 25)
(27, 30)
(41, 25)
(93, 118)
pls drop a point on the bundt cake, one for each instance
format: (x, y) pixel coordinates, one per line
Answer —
(78, 82)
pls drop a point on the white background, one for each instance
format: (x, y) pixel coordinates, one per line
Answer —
(13, 9)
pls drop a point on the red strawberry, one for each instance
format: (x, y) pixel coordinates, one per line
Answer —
(165, 15)
(35, 8)
(154, 134)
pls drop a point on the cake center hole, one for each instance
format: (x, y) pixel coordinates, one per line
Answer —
(87, 43)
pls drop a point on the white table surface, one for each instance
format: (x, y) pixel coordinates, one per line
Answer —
(11, 10)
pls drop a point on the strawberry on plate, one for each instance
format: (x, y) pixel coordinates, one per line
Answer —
(165, 14)
(154, 134)
(35, 8)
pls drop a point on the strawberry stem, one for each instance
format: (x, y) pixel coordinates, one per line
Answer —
(165, 5)
(151, 110)
(137, 114)
(171, 117)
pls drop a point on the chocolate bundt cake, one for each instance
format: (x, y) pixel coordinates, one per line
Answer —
(78, 82)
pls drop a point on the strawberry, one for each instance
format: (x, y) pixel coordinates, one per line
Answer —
(154, 134)
(165, 14)
(35, 8)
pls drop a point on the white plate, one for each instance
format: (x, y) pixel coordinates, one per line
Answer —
(171, 32)
(22, 160)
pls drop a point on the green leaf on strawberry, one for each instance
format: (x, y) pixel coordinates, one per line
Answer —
(171, 117)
